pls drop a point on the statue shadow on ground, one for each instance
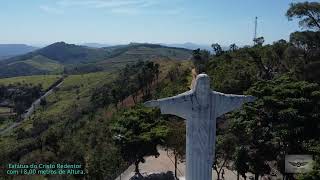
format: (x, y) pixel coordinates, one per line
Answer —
(160, 176)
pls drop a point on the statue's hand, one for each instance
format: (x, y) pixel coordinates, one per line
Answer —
(153, 103)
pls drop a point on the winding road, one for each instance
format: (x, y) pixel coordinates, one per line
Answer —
(29, 111)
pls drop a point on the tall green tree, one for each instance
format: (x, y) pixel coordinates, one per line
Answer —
(225, 148)
(138, 132)
(307, 12)
(233, 47)
(284, 120)
(217, 49)
(200, 60)
(176, 141)
(258, 41)
(241, 159)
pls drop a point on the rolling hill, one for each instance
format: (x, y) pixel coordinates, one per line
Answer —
(70, 123)
(95, 45)
(42, 63)
(45, 80)
(10, 50)
(70, 58)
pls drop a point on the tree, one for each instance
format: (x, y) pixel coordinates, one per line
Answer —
(315, 173)
(305, 50)
(241, 162)
(43, 102)
(217, 49)
(307, 12)
(176, 141)
(233, 47)
(19, 108)
(102, 97)
(131, 80)
(258, 41)
(279, 50)
(200, 60)
(137, 132)
(308, 42)
(225, 148)
(265, 71)
(284, 120)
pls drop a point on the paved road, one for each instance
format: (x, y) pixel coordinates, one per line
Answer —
(29, 111)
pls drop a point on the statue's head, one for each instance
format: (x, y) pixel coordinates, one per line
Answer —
(202, 87)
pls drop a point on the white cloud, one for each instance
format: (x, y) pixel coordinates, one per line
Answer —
(125, 11)
(106, 3)
(125, 6)
(51, 10)
(165, 7)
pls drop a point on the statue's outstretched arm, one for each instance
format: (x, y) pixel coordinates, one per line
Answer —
(229, 102)
(179, 105)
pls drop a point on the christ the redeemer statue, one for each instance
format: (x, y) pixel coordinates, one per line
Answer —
(200, 107)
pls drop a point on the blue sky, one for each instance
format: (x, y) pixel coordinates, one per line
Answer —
(154, 21)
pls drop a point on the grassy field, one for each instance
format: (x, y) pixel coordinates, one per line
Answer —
(69, 123)
(75, 91)
(46, 64)
(4, 110)
(45, 80)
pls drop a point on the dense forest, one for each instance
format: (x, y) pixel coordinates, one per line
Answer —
(285, 78)
(97, 119)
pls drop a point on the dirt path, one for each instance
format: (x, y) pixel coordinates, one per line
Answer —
(194, 76)
(165, 163)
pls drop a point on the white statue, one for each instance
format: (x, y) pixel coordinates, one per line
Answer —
(200, 107)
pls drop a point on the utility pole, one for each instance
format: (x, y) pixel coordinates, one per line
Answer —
(255, 30)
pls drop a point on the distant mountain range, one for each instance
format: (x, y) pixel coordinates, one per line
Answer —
(10, 50)
(188, 45)
(191, 46)
(62, 57)
(96, 45)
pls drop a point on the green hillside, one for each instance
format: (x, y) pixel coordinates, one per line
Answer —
(43, 63)
(73, 59)
(63, 53)
(98, 119)
(38, 63)
(72, 127)
(19, 69)
(44, 80)
(121, 56)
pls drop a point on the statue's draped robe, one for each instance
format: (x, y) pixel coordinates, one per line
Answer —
(200, 107)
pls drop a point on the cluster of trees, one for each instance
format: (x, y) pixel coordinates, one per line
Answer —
(19, 96)
(132, 80)
(79, 131)
(138, 132)
(284, 120)
(18, 69)
(299, 56)
(285, 78)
